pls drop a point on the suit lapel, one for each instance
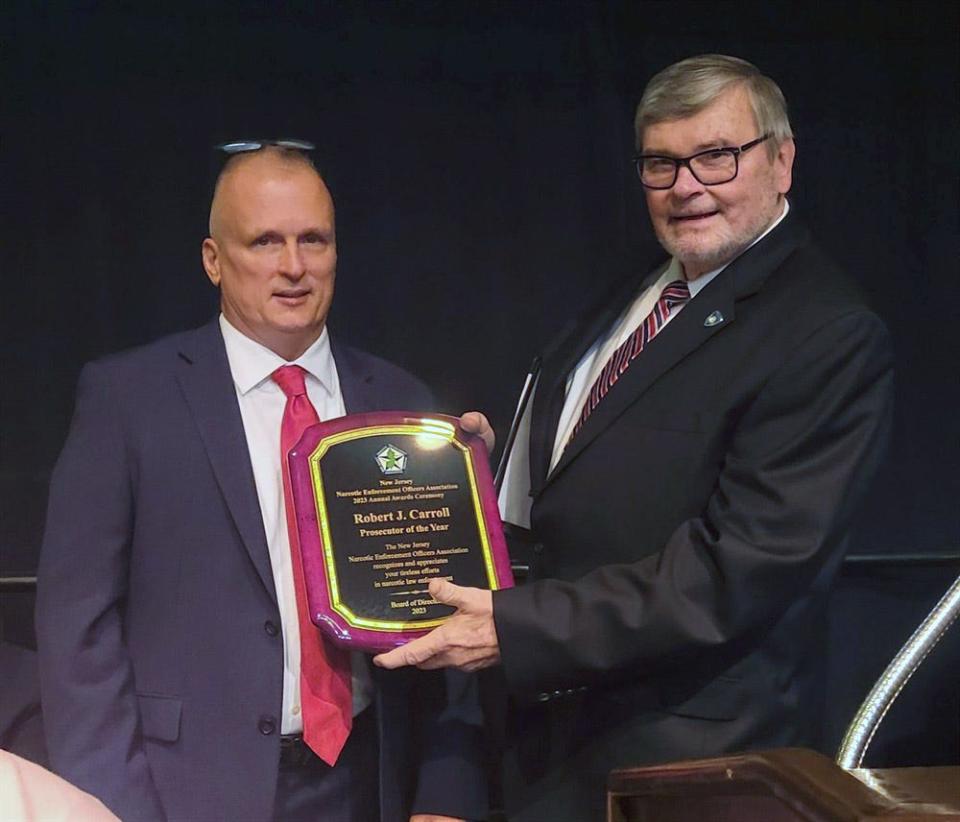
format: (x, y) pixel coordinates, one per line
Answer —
(558, 361)
(204, 377)
(685, 334)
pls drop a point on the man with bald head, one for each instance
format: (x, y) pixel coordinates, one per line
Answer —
(167, 612)
(272, 249)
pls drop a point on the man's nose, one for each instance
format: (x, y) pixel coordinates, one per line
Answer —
(291, 260)
(686, 183)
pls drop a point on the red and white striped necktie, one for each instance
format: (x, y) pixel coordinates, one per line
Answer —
(673, 295)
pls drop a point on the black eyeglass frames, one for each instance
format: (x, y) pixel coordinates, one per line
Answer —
(711, 167)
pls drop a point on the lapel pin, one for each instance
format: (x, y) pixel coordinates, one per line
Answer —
(714, 318)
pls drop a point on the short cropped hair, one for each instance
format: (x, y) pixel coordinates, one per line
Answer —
(688, 87)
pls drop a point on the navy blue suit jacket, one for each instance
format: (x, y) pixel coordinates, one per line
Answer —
(161, 670)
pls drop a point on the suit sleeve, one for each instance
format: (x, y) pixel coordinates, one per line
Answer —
(86, 677)
(798, 462)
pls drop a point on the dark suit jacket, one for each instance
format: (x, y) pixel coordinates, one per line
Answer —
(160, 663)
(687, 538)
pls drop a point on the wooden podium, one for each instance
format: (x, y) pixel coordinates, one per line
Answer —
(784, 785)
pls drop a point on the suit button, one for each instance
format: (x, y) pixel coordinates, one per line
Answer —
(538, 548)
(271, 628)
(267, 725)
(543, 697)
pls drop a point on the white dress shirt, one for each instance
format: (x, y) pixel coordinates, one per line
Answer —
(261, 408)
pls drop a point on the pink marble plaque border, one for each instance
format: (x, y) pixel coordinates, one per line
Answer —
(312, 547)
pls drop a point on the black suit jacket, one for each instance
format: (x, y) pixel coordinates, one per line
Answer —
(160, 662)
(687, 538)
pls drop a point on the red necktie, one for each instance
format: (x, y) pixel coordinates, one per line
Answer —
(673, 294)
(325, 682)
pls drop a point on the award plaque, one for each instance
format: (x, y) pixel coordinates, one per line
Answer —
(384, 503)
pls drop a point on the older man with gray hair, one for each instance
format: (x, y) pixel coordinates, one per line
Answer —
(697, 446)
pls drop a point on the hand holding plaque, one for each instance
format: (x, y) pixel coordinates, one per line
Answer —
(384, 503)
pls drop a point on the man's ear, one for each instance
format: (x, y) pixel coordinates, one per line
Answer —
(210, 254)
(783, 165)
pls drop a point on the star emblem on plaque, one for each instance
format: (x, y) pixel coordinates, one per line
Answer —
(391, 460)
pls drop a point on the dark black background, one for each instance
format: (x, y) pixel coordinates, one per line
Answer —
(478, 154)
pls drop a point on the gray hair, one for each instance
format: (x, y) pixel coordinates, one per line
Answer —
(688, 87)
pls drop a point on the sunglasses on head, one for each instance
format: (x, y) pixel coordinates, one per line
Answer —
(243, 146)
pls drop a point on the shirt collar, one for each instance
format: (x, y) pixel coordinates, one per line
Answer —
(252, 363)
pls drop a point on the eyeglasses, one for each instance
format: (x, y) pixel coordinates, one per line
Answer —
(243, 146)
(712, 167)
